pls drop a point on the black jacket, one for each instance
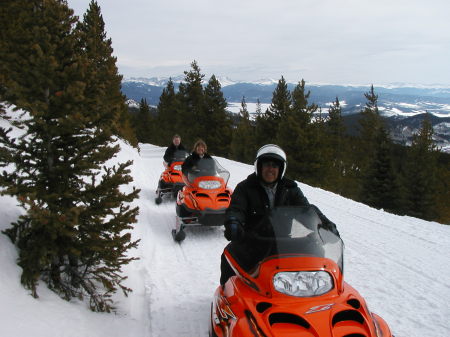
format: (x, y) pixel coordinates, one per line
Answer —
(168, 155)
(250, 203)
(191, 161)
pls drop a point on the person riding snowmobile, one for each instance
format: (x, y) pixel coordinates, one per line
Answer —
(198, 153)
(253, 199)
(176, 145)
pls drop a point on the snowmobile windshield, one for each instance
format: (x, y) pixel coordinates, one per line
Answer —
(292, 230)
(208, 167)
(179, 156)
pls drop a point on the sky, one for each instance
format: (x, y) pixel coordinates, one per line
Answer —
(399, 264)
(322, 41)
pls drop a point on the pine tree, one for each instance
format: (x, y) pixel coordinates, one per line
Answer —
(217, 124)
(335, 123)
(261, 126)
(370, 123)
(243, 143)
(263, 129)
(300, 104)
(72, 232)
(290, 139)
(25, 38)
(319, 146)
(105, 82)
(380, 186)
(258, 109)
(443, 190)
(336, 142)
(168, 120)
(5, 156)
(278, 109)
(420, 174)
(297, 136)
(144, 123)
(191, 98)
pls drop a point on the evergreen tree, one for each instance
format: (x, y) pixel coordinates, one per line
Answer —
(319, 146)
(278, 109)
(24, 40)
(370, 123)
(144, 123)
(263, 128)
(380, 186)
(72, 232)
(335, 123)
(191, 98)
(336, 142)
(258, 109)
(443, 189)
(261, 125)
(243, 143)
(217, 123)
(104, 85)
(168, 119)
(290, 138)
(5, 156)
(420, 174)
(300, 104)
(298, 137)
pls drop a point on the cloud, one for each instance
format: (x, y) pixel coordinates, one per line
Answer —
(328, 40)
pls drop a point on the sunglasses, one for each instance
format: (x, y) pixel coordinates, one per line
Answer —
(271, 164)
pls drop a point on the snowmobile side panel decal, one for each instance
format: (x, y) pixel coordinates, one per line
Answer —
(224, 309)
(319, 308)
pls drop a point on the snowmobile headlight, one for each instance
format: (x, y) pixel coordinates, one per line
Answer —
(177, 167)
(209, 184)
(303, 283)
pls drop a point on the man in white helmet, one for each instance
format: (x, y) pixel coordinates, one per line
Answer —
(254, 197)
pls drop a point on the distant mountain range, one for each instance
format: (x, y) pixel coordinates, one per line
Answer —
(402, 105)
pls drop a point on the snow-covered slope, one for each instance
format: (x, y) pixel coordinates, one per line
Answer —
(401, 265)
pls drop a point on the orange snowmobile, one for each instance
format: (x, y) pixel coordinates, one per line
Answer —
(171, 180)
(292, 285)
(204, 199)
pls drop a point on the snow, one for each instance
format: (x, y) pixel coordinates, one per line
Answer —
(392, 111)
(342, 104)
(409, 105)
(132, 103)
(400, 265)
(235, 107)
(162, 81)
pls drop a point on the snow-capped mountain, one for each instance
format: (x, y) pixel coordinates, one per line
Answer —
(224, 81)
(396, 99)
(162, 81)
(402, 105)
(154, 81)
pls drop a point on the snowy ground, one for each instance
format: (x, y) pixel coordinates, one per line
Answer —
(401, 265)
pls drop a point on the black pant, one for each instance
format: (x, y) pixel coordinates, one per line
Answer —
(225, 270)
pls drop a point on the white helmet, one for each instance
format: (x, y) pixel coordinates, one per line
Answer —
(274, 152)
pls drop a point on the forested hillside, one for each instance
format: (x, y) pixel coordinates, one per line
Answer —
(355, 157)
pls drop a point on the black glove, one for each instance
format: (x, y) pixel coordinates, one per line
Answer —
(326, 223)
(233, 230)
(331, 226)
